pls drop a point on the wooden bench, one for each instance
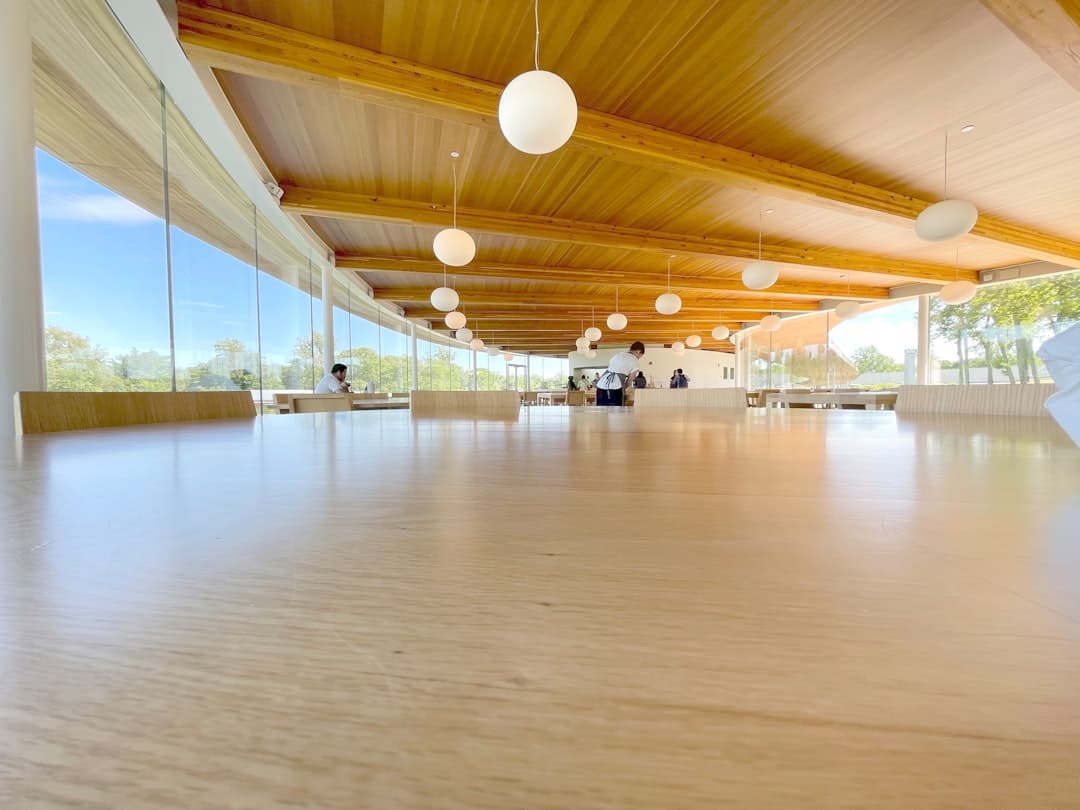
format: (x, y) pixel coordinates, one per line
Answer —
(55, 411)
(689, 398)
(978, 400)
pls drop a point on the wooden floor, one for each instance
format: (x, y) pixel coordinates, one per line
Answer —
(579, 608)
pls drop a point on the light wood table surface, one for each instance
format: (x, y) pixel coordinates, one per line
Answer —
(585, 608)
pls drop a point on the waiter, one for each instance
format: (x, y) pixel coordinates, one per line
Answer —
(622, 369)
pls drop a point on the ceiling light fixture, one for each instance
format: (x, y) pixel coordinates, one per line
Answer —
(668, 303)
(693, 341)
(592, 333)
(616, 321)
(454, 246)
(947, 219)
(760, 275)
(770, 323)
(846, 310)
(444, 298)
(537, 110)
(957, 292)
(967, 128)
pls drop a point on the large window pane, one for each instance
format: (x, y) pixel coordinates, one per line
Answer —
(878, 349)
(106, 294)
(994, 338)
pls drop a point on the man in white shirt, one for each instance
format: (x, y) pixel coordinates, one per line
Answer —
(621, 370)
(334, 382)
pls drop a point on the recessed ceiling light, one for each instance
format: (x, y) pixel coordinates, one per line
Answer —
(967, 128)
(455, 155)
(770, 210)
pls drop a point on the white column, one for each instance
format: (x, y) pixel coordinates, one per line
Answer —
(922, 361)
(22, 309)
(528, 372)
(739, 352)
(328, 316)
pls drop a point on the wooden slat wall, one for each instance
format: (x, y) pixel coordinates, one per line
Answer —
(54, 411)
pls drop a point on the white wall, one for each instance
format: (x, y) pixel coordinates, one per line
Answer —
(705, 369)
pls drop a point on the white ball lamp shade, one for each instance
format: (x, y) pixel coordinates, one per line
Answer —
(668, 303)
(476, 344)
(493, 351)
(454, 247)
(959, 292)
(616, 322)
(945, 220)
(464, 335)
(846, 310)
(591, 353)
(760, 275)
(593, 335)
(444, 299)
(455, 319)
(721, 333)
(582, 344)
(537, 112)
(693, 341)
(678, 347)
(508, 356)
(770, 323)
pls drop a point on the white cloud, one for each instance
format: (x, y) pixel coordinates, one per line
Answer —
(107, 208)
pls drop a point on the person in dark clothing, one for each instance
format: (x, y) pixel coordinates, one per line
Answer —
(639, 381)
(679, 380)
(570, 384)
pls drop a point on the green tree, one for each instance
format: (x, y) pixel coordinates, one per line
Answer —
(73, 364)
(870, 359)
(144, 371)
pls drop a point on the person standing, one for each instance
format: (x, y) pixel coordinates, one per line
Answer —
(622, 369)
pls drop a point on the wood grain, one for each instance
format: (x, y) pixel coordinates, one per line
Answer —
(53, 411)
(814, 610)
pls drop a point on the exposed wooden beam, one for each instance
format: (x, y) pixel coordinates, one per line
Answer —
(622, 278)
(560, 312)
(1051, 28)
(240, 44)
(709, 305)
(342, 205)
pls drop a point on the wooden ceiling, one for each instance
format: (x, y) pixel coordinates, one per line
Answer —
(832, 114)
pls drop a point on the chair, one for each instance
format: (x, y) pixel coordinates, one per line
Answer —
(690, 398)
(977, 400)
(321, 403)
(440, 403)
(55, 411)
(575, 397)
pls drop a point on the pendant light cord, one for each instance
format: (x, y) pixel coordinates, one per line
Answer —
(760, 226)
(536, 50)
(669, 274)
(616, 299)
(945, 196)
(453, 166)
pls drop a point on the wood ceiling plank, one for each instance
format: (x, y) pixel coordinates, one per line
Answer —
(1051, 28)
(245, 45)
(341, 205)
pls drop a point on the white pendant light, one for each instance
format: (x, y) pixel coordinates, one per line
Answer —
(444, 298)
(455, 319)
(846, 310)
(678, 347)
(958, 292)
(538, 109)
(476, 344)
(947, 219)
(668, 303)
(770, 323)
(616, 321)
(720, 333)
(454, 246)
(508, 356)
(464, 335)
(760, 275)
(693, 341)
(493, 351)
(592, 333)
(582, 344)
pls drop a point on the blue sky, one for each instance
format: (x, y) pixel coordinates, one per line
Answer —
(103, 262)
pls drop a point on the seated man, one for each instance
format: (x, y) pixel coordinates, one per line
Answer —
(334, 382)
